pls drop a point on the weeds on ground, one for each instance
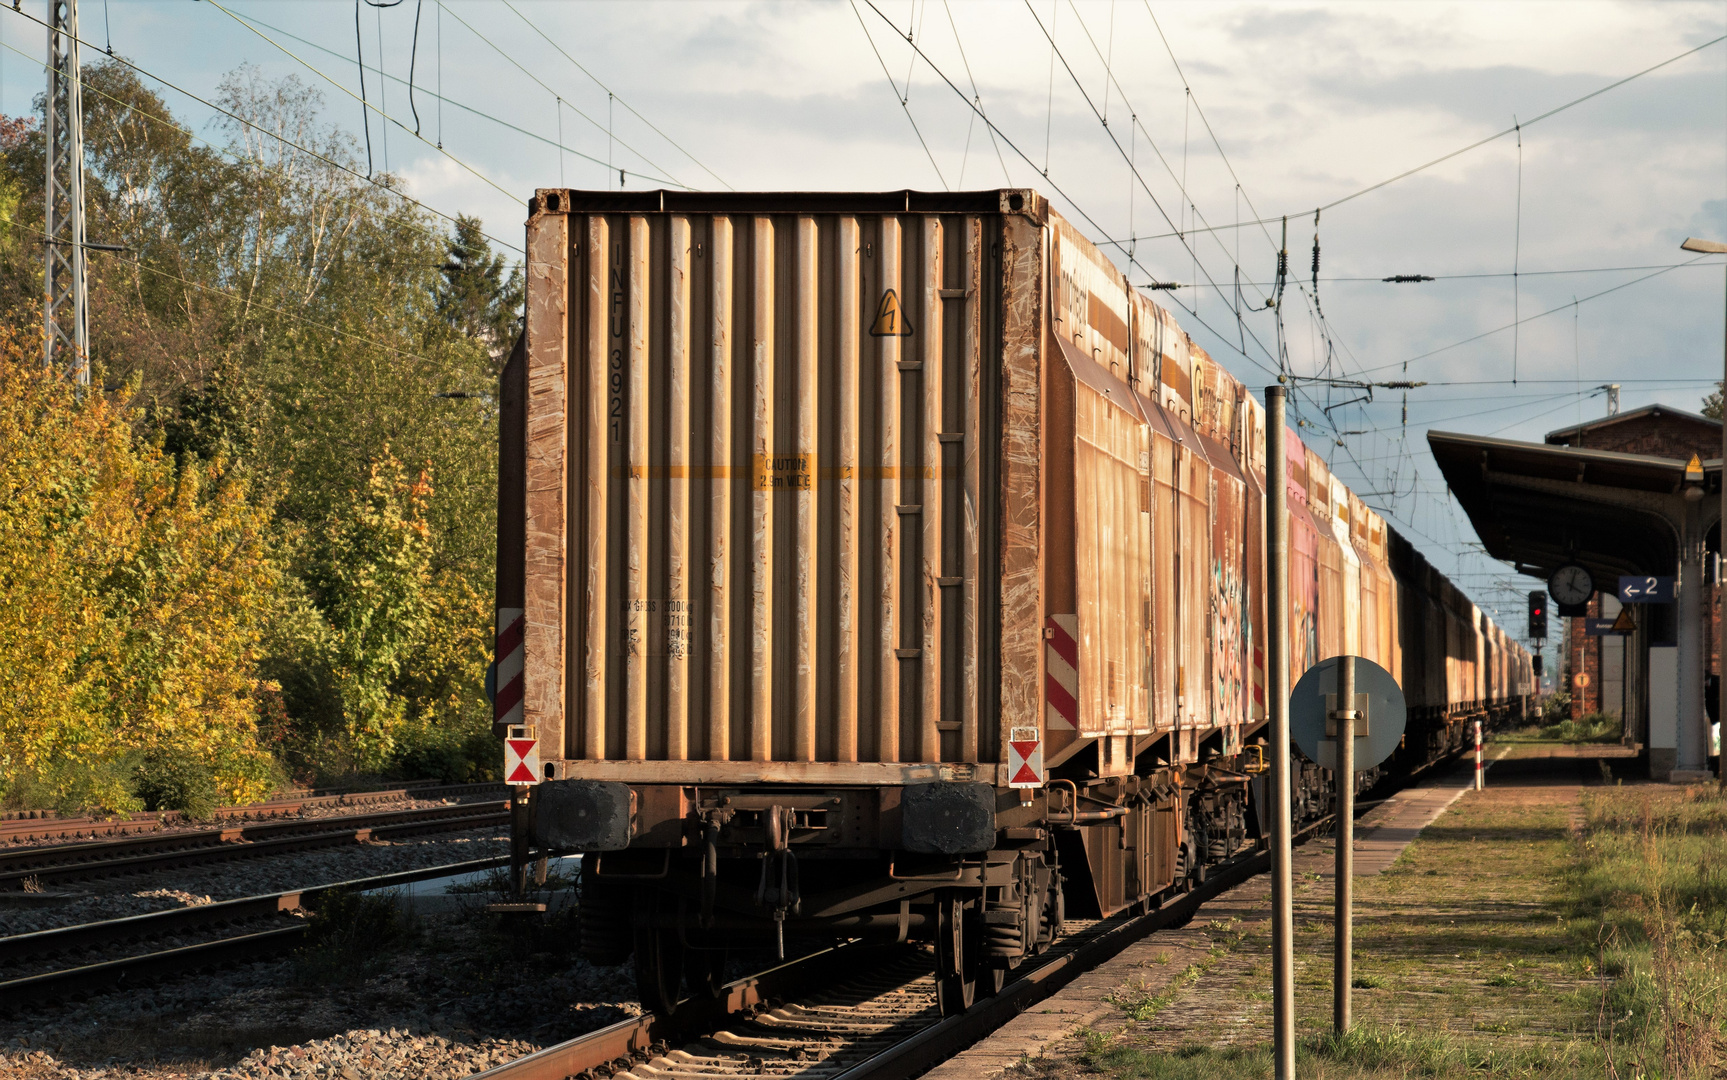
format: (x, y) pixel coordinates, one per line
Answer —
(1366, 1051)
(349, 938)
(1651, 887)
(1591, 728)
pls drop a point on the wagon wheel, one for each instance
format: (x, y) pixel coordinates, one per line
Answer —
(705, 971)
(659, 969)
(958, 951)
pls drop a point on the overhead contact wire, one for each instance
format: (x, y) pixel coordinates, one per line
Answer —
(488, 181)
(901, 98)
(536, 136)
(517, 64)
(285, 141)
(627, 106)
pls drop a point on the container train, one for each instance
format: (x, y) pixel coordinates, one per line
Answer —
(885, 566)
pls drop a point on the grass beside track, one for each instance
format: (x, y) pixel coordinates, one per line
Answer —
(1554, 925)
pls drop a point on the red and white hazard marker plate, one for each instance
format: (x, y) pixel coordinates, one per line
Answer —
(521, 758)
(1024, 758)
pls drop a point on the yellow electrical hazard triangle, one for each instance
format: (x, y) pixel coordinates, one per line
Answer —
(890, 321)
(1623, 624)
(1694, 471)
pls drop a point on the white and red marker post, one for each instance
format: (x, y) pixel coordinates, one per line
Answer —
(1478, 771)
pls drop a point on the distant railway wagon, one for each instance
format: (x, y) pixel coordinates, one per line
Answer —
(883, 565)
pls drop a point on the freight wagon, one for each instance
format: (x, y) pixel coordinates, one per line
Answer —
(884, 565)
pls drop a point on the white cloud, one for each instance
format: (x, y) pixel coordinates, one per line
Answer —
(1311, 101)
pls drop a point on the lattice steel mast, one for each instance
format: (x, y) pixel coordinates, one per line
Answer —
(67, 334)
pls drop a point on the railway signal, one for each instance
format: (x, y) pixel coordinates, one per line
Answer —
(1538, 615)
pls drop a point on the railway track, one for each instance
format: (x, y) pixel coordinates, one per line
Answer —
(35, 868)
(28, 829)
(850, 1013)
(251, 928)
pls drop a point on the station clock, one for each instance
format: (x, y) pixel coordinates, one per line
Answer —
(1571, 585)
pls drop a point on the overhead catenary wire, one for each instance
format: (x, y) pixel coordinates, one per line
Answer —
(627, 106)
(237, 118)
(903, 99)
(1223, 156)
(1541, 315)
(1517, 256)
(413, 60)
(1106, 238)
(1191, 107)
(440, 4)
(383, 90)
(541, 83)
(360, 62)
(1262, 221)
(1268, 220)
(250, 302)
(483, 178)
(472, 111)
(977, 98)
(1142, 182)
(1383, 279)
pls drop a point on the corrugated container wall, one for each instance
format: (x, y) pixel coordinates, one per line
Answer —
(845, 487)
(763, 438)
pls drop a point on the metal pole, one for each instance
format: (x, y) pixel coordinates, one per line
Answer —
(1344, 942)
(66, 330)
(1277, 648)
(1722, 669)
(1480, 775)
(1693, 756)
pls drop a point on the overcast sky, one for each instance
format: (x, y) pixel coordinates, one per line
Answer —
(1310, 103)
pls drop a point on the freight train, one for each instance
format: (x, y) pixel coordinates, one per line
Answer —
(886, 566)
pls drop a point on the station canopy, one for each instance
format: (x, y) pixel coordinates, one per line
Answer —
(1542, 505)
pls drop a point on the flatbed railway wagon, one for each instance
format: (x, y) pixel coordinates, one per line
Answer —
(883, 565)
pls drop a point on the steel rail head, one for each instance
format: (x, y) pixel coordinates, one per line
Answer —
(69, 864)
(638, 1036)
(64, 939)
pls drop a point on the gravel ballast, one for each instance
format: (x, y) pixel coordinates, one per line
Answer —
(136, 894)
(457, 993)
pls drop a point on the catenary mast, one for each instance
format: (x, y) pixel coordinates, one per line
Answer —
(66, 326)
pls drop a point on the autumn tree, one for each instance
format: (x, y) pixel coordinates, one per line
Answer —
(134, 597)
(287, 343)
(481, 297)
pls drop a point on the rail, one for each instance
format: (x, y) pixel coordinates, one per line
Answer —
(23, 829)
(35, 867)
(249, 943)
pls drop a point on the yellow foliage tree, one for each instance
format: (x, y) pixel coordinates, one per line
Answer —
(133, 597)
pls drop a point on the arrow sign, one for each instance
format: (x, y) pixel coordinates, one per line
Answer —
(521, 761)
(1645, 589)
(1024, 757)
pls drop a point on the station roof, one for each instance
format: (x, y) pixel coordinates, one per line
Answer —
(1540, 506)
(1653, 429)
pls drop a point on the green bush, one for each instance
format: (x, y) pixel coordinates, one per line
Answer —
(458, 750)
(1593, 727)
(169, 781)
